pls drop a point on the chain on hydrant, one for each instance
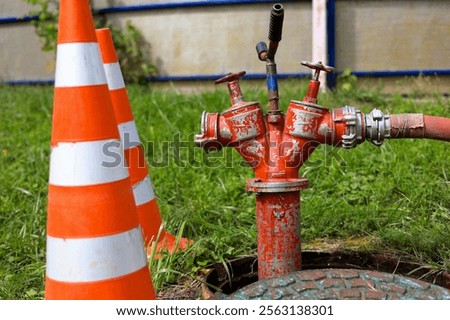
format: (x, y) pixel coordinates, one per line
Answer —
(277, 145)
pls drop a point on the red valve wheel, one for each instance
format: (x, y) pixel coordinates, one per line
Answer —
(230, 77)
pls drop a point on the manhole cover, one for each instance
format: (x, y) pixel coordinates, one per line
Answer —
(352, 284)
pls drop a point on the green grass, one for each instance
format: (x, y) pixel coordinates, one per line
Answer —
(398, 193)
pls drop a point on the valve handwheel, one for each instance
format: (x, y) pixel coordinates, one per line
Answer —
(319, 66)
(230, 77)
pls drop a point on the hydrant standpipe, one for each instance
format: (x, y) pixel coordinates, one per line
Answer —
(276, 145)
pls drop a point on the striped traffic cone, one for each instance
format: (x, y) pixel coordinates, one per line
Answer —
(144, 196)
(95, 248)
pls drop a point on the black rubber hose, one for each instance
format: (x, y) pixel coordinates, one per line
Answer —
(276, 22)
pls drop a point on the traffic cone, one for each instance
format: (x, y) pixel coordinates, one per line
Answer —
(95, 248)
(144, 196)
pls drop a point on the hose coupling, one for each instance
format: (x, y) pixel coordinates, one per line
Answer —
(378, 127)
(351, 118)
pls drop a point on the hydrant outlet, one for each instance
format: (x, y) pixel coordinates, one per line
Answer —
(242, 122)
(303, 120)
(208, 138)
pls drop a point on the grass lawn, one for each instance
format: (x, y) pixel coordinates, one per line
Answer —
(397, 195)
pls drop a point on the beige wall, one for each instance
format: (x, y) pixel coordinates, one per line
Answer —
(220, 39)
(13, 8)
(21, 56)
(370, 35)
(393, 35)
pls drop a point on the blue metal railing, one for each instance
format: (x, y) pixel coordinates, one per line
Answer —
(26, 18)
(256, 76)
(184, 4)
(331, 40)
(211, 77)
(152, 6)
(396, 73)
(331, 9)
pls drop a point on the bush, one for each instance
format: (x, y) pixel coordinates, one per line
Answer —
(130, 45)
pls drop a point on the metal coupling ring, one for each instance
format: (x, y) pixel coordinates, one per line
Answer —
(378, 126)
(352, 119)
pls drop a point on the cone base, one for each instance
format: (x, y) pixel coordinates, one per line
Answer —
(135, 286)
(169, 243)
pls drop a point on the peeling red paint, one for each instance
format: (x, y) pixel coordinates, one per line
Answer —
(277, 145)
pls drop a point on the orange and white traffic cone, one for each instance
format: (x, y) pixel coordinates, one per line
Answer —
(95, 248)
(144, 196)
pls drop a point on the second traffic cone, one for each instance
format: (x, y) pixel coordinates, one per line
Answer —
(95, 247)
(144, 196)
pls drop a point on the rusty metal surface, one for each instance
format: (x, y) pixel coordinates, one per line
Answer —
(313, 91)
(314, 84)
(277, 145)
(415, 125)
(244, 121)
(338, 284)
(233, 86)
(303, 121)
(230, 77)
(309, 104)
(208, 138)
(407, 125)
(278, 222)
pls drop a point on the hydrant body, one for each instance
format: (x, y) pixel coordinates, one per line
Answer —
(278, 222)
(277, 145)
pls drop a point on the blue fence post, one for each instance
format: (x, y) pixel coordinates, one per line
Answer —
(331, 41)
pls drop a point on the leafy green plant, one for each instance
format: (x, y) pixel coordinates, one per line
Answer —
(131, 47)
(46, 25)
(347, 81)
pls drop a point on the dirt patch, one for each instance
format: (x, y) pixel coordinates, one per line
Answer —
(185, 289)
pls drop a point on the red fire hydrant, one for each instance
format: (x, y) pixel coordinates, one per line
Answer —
(277, 145)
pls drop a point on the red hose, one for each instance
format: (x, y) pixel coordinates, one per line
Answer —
(416, 125)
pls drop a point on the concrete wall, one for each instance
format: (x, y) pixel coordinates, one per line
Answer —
(370, 36)
(21, 56)
(393, 35)
(220, 39)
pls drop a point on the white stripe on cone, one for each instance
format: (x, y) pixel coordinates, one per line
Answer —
(143, 191)
(114, 76)
(79, 64)
(87, 163)
(129, 134)
(95, 259)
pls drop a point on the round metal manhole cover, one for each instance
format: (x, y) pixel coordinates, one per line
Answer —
(339, 284)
